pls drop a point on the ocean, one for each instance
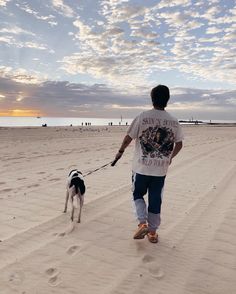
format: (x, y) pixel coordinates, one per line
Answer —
(13, 121)
(6, 121)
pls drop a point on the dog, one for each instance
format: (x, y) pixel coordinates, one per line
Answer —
(75, 190)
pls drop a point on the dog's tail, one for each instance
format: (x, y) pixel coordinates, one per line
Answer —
(78, 184)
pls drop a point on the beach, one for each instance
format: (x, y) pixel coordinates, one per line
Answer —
(41, 252)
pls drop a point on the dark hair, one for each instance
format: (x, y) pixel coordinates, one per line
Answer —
(160, 96)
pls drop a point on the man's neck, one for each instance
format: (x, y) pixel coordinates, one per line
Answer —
(159, 108)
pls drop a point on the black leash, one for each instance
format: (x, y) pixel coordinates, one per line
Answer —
(112, 163)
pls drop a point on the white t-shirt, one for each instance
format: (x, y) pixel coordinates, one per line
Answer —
(155, 132)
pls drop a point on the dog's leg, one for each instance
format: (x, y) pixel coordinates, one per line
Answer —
(81, 203)
(66, 202)
(72, 211)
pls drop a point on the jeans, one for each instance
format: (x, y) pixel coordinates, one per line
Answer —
(153, 185)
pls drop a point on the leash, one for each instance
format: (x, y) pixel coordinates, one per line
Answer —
(112, 163)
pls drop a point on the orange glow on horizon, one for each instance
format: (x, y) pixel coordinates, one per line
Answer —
(21, 112)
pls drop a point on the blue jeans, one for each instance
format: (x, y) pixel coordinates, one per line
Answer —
(154, 186)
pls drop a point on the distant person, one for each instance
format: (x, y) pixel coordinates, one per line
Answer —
(158, 139)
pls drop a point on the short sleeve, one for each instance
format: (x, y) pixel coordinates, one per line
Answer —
(179, 134)
(133, 129)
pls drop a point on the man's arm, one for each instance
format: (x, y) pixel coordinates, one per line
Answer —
(178, 146)
(126, 141)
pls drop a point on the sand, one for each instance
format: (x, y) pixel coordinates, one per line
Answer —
(42, 253)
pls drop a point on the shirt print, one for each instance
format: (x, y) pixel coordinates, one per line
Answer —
(157, 142)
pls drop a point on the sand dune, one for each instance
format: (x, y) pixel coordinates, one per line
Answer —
(42, 253)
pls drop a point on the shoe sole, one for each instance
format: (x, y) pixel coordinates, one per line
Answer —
(141, 234)
(152, 240)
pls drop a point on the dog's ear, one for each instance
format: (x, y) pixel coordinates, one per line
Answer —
(72, 171)
(79, 172)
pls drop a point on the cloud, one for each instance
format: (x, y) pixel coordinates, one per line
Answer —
(11, 41)
(213, 30)
(15, 30)
(21, 75)
(62, 8)
(54, 98)
(50, 19)
(2, 97)
(4, 2)
(173, 3)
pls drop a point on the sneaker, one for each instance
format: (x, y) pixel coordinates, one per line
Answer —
(141, 232)
(152, 237)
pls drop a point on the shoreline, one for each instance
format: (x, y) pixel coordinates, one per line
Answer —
(113, 127)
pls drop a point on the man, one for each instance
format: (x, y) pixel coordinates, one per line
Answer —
(158, 137)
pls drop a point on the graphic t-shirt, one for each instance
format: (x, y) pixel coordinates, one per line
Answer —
(155, 132)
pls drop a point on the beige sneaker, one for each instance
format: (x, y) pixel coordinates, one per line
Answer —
(141, 232)
(152, 237)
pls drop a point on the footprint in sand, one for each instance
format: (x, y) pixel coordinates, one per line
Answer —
(147, 258)
(16, 277)
(54, 279)
(68, 230)
(155, 270)
(5, 190)
(72, 250)
(51, 271)
(55, 179)
(33, 186)
(62, 234)
(41, 173)
(59, 234)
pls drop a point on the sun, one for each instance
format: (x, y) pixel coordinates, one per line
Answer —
(21, 112)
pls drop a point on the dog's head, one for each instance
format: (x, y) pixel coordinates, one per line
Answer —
(75, 172)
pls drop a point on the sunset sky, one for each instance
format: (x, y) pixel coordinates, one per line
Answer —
(100, 58)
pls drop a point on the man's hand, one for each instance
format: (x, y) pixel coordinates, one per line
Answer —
(117, 157)
(177, 148)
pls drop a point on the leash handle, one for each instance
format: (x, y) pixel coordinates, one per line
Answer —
(114, 162)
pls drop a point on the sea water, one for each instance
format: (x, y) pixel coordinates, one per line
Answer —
(6, 121)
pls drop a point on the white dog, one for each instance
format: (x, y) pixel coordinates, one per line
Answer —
(75, 189)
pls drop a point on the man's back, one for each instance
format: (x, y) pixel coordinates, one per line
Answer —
(155, 132)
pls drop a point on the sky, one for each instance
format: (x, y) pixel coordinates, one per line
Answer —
(101, 58)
